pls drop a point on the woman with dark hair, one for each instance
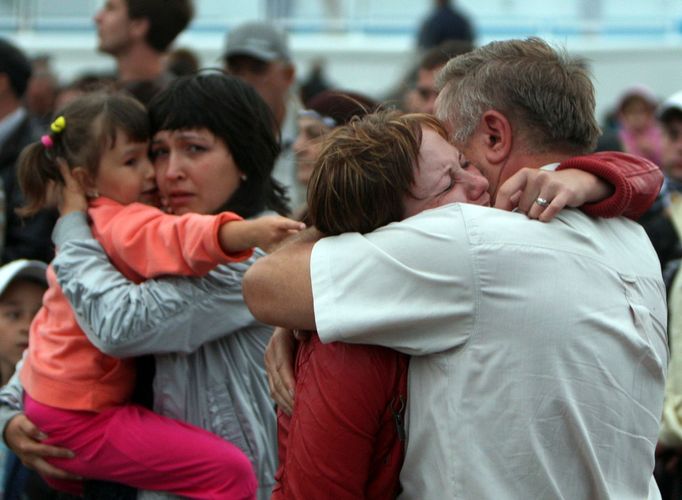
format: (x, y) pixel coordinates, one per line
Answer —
(213, 147)
(233, 114)
(324, 112)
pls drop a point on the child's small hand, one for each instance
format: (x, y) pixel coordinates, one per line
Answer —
(269, 231)
(71, 197)
(265, 233)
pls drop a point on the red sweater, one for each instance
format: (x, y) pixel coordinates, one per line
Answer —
(345, 439)
(63, 369)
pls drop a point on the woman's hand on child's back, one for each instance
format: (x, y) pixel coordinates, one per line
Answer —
(264, 232)
(25, 440)
(72, 197)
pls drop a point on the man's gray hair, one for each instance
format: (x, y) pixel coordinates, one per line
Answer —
(546, 95)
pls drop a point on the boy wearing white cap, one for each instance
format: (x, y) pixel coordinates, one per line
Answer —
(22, 285)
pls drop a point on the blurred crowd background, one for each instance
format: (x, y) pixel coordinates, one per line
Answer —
(369, 45)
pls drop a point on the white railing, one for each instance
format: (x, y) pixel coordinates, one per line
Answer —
(492, 18)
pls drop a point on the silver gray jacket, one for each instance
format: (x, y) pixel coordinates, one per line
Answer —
(208, 347)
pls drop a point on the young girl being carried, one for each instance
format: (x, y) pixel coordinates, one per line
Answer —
(76, 394)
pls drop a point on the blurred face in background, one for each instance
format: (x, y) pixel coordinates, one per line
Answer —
(271, 80)
(115, 30)
(425, 92)
(18, 305)
(307, 147)
(637, 114)
(672, 146)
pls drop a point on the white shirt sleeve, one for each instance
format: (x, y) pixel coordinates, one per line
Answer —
(410, 286)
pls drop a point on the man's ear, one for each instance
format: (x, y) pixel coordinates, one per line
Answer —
(497, 132)
(139, 28)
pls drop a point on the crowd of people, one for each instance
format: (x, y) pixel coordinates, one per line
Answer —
(259, 293)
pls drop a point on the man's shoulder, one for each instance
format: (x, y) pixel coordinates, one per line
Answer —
(460, 217)
(571, 230)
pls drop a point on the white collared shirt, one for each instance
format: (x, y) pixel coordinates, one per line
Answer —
(10, 123)
(539, 349)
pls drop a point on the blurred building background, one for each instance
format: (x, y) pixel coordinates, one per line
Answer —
(368, 45)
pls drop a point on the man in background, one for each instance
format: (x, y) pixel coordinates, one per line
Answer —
(27, 238)
(443, 23)
(258, 53)
(422, 99)
(137, 33)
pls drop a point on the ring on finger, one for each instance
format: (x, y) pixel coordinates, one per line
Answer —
(543, 202)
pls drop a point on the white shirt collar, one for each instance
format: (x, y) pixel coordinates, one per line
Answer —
(10, 123)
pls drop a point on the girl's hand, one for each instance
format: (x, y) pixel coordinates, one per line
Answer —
(271, 230)
(24, 439)
(264, 232)
(71, 197)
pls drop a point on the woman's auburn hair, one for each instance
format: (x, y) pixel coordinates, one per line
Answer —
(365, 170)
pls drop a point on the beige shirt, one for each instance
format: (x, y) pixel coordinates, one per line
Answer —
(539, 349)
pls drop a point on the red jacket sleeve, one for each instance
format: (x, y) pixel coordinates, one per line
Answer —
(151, 243)
(636, 183)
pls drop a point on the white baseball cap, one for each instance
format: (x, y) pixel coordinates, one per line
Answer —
(22, 268)
(672, 103)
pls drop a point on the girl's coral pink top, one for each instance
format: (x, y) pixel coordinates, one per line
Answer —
(63, 369)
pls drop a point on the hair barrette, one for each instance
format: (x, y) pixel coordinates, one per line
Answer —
(58, 125)
(46, 141)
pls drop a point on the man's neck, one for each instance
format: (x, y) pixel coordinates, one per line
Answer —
(140, 62)
(532, 160)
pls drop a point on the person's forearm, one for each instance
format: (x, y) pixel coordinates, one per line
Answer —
(186, 245)
(278, 289)
(157, 316)
(636, 183)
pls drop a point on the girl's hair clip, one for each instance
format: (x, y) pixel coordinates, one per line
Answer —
(47, 141)
(58, 125)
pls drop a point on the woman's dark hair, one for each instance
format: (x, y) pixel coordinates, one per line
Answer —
(90, 123)
(234, 112)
